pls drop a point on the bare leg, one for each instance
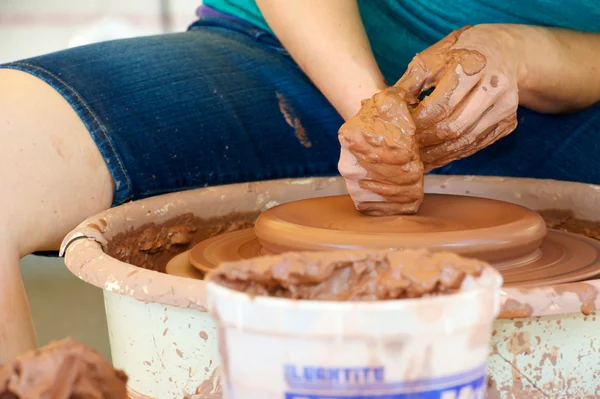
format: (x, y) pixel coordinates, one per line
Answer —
(52, 177)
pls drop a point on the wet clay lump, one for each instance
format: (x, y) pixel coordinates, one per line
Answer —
(62, 370)
(151, 246)
(349, 275)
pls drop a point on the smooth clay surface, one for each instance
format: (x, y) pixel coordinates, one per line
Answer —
(494, 231)
(512, 238)
(485, 228)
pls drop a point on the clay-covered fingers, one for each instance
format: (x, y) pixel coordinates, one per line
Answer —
(491, 135)
(398, 184)
(419, 76)
(473, 105)
(353, 173)
(497, 122)
(453, 85)
(380, 157)
(389, 208)
(501, 130)
(424, 68)
(348, 165)
(474, 141)
(399, 193)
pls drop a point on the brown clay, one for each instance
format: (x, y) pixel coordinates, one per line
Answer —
(565, 220)
(230, 247)
(62, 370)
(510, 237)
(151, 246)
(181, 267)
(562, 258)
(490, 230)
(349, 275)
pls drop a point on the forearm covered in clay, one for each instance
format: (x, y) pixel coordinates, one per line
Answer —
(328, 41)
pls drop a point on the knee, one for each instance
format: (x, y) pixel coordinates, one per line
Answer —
(51, 173)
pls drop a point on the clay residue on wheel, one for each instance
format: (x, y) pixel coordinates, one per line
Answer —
(350, 275)
(151, 246)
(561, 219)
(62, 370)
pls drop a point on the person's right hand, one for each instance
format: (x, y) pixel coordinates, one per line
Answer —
(473, 73)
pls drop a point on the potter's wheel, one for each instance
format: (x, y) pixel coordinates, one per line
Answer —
(512, 238)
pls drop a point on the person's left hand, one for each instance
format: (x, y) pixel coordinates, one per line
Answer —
(474, 101)
(379, 156)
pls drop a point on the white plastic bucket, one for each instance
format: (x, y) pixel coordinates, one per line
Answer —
(432, 347)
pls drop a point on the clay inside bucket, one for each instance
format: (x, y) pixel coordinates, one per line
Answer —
(512, 238)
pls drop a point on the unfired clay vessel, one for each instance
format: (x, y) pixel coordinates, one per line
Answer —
(512, 238)
(544, 343)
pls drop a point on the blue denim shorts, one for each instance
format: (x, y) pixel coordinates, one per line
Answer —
(224, 103)
(221, 103)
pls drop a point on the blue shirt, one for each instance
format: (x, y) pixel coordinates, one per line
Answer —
(398, 29)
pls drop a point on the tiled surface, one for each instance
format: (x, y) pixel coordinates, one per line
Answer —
(64, 306)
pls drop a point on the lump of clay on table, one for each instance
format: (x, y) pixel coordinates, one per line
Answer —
(350, 275)
(62, 370)
(380, 155)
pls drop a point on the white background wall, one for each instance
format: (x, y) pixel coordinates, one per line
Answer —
(33, 27)
(61, 304)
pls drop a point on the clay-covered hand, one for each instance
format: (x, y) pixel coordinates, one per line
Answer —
(380, 156)
(474, 100)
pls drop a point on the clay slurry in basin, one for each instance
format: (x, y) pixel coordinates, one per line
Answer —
(349, 275)
(354, 324)
(62, 370)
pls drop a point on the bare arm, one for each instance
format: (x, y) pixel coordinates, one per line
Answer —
(328, 41)
(559, 70)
